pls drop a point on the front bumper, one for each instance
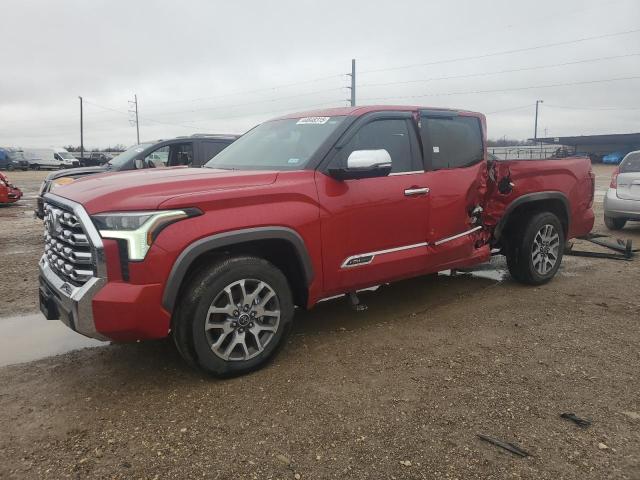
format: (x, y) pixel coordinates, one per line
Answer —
(62, 301)
(615, 207)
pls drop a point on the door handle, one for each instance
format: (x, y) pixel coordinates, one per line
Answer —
(410, 192)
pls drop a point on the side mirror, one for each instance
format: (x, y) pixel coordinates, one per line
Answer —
(364, 164)
(139, 163)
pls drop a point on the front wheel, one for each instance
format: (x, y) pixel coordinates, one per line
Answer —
(535, 251)
(234, 316)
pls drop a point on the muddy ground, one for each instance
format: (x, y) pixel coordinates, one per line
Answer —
(399, 391)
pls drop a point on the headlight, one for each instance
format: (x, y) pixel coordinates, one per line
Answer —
(139, 229)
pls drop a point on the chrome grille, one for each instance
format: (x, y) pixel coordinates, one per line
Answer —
(66, 246)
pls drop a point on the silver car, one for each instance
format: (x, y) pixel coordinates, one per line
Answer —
(622, 202)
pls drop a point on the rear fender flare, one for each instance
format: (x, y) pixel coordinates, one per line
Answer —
(531, 198)
(194, 250)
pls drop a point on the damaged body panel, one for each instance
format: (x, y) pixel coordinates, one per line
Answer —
(9, 193)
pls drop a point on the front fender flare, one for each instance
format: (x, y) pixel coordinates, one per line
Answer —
(225, 239)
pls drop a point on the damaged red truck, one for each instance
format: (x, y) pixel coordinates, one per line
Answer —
(300, 208)
(9, 193)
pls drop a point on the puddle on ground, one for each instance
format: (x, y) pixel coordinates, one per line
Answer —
(32, 337)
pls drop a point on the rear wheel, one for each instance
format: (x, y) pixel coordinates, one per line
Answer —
(234, 316)
(615, 223)
(10, 167)
(35, 166)
(535, 249)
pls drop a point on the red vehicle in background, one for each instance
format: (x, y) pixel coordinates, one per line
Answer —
(8, 192)
(301, 208)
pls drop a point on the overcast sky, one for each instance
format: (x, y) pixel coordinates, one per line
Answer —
(221, 66)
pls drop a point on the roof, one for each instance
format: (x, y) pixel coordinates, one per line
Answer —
(619, 138)
(361, 110)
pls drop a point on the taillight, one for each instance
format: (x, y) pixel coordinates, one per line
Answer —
(614, 178)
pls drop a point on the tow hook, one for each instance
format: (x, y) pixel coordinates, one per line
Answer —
(354, 302)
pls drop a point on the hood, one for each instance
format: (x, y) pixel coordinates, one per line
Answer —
(75, 172)
(147, 189)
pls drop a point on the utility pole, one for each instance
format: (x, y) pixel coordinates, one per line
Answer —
(81, 131)
(353, 82)
(535, 131)
(134, 104)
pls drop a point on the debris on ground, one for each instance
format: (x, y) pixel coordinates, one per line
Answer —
(512, 447)
(581, 422)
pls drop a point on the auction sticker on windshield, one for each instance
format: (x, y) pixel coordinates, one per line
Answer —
(313, 121)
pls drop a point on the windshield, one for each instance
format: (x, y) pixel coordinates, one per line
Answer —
(124, 157)
(66, 155)
(286, 144)
(631, 163)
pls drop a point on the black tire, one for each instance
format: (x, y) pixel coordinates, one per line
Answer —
(615, 223)
(35, 166)
(521, 245)
(207, 285)
(9, 168)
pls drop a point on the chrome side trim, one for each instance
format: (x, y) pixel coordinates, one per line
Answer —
(367, 258)
(448, 239)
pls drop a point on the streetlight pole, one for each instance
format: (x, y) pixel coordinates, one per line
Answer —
(535, 131)
(81, 131)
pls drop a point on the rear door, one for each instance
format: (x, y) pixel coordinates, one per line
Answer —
(454, 154)
(629, 177)
(374, 229)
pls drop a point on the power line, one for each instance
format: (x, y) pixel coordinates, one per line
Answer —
(593, 108)
(256, 102)
(144, 118)
(505, 52)
(259, 90)
(499, 72)
(501, 90)
(522, 107)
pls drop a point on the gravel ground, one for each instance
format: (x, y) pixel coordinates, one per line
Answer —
(397, 392)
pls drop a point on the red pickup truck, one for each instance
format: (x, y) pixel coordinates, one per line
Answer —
(300, 208)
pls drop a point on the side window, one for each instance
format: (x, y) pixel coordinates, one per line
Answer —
(452, 142)
(211, 149)
(391, 135)
(181, 154)
(158, 158)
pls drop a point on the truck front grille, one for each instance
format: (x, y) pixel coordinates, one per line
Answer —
(66, 246)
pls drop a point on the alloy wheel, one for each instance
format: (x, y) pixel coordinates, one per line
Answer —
(546, 248)
(242, 319)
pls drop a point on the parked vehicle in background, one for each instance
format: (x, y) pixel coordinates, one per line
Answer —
(193, 151)
(622, 202)
(12, 159)
(9, 193)
(54, 158)
(95, 159)
(613, 158)
(300, 208)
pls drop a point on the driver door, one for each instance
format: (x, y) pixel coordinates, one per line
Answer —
(374, 229)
